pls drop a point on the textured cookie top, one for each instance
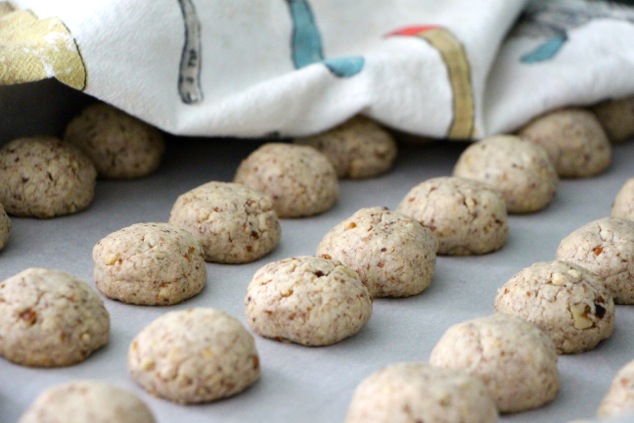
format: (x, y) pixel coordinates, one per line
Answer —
(394, 255)
(233, 223)
(566, 301)
(519, 170)
(417, 392)
(623, 205)
(606, 248)
(87, 401)
(119, 145)
(44, 177)
(150, 264)
(617, 118)
(307, 300)
(49, 318)
(574, 140)
(619, 399)
(5, 227)
(358, 148)
(300, 180)
(194, 356)
(515, 360)
(466, 216)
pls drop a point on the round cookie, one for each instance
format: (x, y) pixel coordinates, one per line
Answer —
(358, 148)
(617, 118)
(564, 300)
(466, 216)
(623, 205)
(5, 227)
(194, 356)
(307, 300)
(87, 401)
(232, 222)
(416, 392)
(149, 264)
(44, 177)
(574, 140)
(394, 255)
(49, 318)
(515, 360)
(604, 247)
(300, 180)
(619, 399)
(119, 145)
(519, 170)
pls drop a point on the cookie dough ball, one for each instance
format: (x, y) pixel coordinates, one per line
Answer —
(606, 248)
(120, 146)
(44, 177)
(617, 118)
(87, 401)
(416, 392)
(515, 360)
(232, 222)
(394, 255)
(358, 148)
(466, 216)
(574, 140)
(307, 300)
(49, 318)
(619, 399)
(149, 264)
(300, 180)
(5, 227)
(623, 205)
(566, 301)
(194, 356)
(519, 170)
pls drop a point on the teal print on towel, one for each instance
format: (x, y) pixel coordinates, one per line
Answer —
(306, 44)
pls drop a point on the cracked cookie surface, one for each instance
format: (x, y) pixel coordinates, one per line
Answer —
(194, 356)
(515, 359)
(416, 392)
(49, 318)
(232, 222)
(466, 216)
(149, 264)
(45, 177)
(394, 255)
(307, 300)
(566, 301)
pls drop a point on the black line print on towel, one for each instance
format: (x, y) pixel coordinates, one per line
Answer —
(189, 73)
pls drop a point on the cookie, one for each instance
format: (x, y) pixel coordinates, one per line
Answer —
(619, 400)
(394, 255)
(300, 180)
(119, 145)
(617, 118)
(87, 401)
(623, 205)
(5, 227)
(574, 140)
(232, 222)
(519, 170)
(606, 248)
(358, 148)
(417, 392)
(194, 356)
(566, 301)
(44, 177)
(49, 318)
(307, 300)
(149, 264)
(515, 360)
(466, 216)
